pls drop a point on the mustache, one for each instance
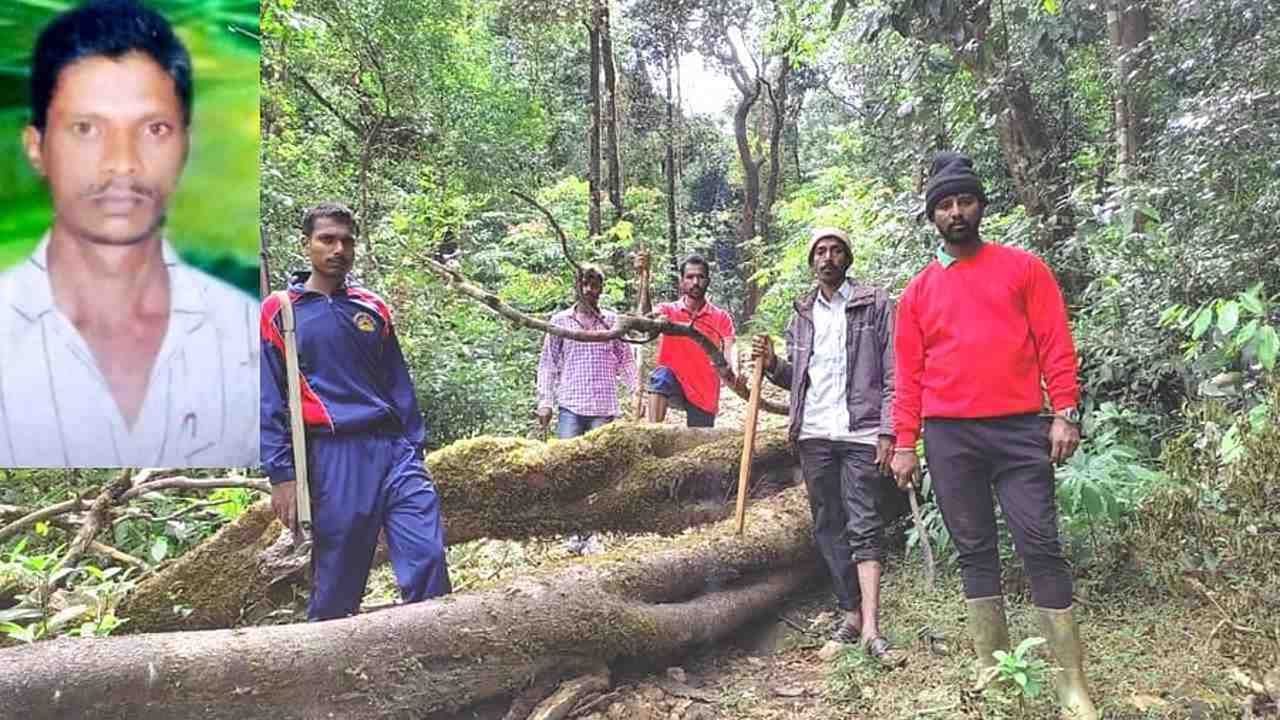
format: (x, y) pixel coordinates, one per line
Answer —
(115, 186)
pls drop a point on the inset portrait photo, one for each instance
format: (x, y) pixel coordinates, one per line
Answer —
(129, 234)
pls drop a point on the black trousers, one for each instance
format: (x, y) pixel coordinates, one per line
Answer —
(968, 458)
(844, 497)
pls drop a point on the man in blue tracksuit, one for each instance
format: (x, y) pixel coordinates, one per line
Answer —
(365, 435)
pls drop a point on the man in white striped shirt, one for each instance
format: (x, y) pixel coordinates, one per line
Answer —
(114, 352)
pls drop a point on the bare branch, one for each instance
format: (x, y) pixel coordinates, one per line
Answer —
(118, 555)
(185, 483)
(72, 505)
(302, 79)
(564, 240)
(129, 491)
(96, 517)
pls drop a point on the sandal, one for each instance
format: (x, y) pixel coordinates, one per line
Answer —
(847, 634)
(879, 649)
(934, 642)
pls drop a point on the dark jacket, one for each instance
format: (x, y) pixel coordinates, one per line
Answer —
(869, 350)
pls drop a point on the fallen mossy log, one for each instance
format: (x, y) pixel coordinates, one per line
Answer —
(656, 598)
(623, 477)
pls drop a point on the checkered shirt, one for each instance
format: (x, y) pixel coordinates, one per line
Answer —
(582, 376)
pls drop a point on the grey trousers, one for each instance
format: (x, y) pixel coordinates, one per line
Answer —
(844, 497)
(968, 458)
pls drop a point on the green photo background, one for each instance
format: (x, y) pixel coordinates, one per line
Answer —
(213, 217)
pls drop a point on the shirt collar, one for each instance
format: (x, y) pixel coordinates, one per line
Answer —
(842, 294)
(298, 283)
(945, 258)
(706, 305)
(33, 294)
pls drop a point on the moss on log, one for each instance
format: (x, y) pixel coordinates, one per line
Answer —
(622, 477)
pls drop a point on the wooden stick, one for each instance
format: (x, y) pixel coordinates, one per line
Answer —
(920, 531)
(302, 532)
(749, 442)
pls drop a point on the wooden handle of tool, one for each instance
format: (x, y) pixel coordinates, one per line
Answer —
(298, 435)
(749, 443)
(920, 531)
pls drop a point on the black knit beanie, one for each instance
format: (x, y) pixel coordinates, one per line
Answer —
(951, 174)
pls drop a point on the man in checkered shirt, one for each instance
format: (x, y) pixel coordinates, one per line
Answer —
(580, 378)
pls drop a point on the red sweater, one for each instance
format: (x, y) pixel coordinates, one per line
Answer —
(974, 339)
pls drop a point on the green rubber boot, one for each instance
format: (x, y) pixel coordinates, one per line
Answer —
(1060, 630)
(988, 629)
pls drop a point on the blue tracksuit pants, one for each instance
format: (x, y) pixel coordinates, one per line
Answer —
(360, 484)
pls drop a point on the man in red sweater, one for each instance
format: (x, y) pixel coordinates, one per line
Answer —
(976, 332)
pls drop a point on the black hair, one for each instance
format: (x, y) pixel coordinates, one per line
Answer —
(696, 260)
(589, 271)
(334, 211)
(111, 28)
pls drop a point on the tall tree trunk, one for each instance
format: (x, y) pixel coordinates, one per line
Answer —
(777, 125)
(1043, 186)
(777, 116)
(264, 270)
(593, 162)
(673, 237)
(1128, 24)
(611, 114)
(680, 137)
(750, 185)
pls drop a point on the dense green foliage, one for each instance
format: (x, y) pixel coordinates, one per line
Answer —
(422, 119)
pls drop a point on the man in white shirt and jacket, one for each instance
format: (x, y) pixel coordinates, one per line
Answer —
(839, 368)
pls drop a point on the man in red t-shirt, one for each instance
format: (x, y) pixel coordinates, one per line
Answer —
(684, 375)
(977, 331)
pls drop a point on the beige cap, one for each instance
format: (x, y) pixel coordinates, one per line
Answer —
(829, 232)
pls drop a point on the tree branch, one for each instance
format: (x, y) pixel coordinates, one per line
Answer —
(129, 491)
(96, 517)
(328, 106)
(118, 555)
(62, 508)
(185, 483)
(564, 240)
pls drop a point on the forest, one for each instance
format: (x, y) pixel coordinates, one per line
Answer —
(1134, 145)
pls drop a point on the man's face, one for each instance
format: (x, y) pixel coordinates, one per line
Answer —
(957, 217)
(830, 261)
(694, 281)
(589, 289)
(331, 248)
(113, 148)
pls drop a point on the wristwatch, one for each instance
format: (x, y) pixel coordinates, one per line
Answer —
(1070, 414)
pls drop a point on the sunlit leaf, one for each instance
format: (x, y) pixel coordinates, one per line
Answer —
(1268, 347)
(160, 548)
(1203, 320)
(1228, 316)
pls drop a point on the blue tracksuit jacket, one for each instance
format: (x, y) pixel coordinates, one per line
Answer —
(354, 377)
